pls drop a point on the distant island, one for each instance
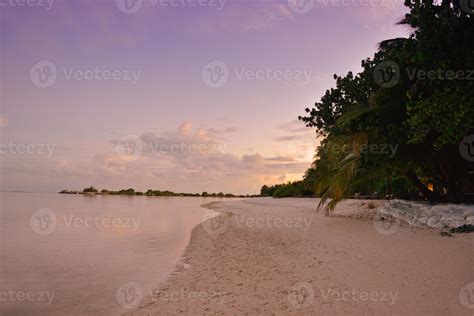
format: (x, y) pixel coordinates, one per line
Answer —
(131, 192)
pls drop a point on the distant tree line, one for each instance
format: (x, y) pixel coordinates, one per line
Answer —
(397, 187)
(150, 192)
(303, 188)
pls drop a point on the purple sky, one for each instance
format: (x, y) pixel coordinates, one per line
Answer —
(92, 95)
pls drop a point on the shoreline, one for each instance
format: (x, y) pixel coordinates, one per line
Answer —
(279, 256)
(181, 264)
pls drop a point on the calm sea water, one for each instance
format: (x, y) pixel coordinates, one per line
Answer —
(76, 254)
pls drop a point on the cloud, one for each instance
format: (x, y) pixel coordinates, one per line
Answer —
(186, 128)
(197, 159)
(264, 18)
(248, 16)
(286, 138)
(294, 126)
(186, 159)
(280, 159)
(222, 131)
(3, 121)
(301, 141)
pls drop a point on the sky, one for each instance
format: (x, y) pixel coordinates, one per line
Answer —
(184, 95)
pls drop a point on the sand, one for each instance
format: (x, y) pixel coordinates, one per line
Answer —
(280, 257)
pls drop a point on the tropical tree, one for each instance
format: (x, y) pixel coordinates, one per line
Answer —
(390, 104)
(90, 189)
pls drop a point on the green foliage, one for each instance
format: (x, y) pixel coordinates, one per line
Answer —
(269, 190)
(287, 190)
(128, 192)
(90, 189)
(303, 188)
(424, 119)
(264, 191)
(400, 187)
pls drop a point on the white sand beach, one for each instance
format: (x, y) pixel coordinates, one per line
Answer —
(279, 256)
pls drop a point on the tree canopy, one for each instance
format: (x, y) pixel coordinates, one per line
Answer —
(403, 117)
